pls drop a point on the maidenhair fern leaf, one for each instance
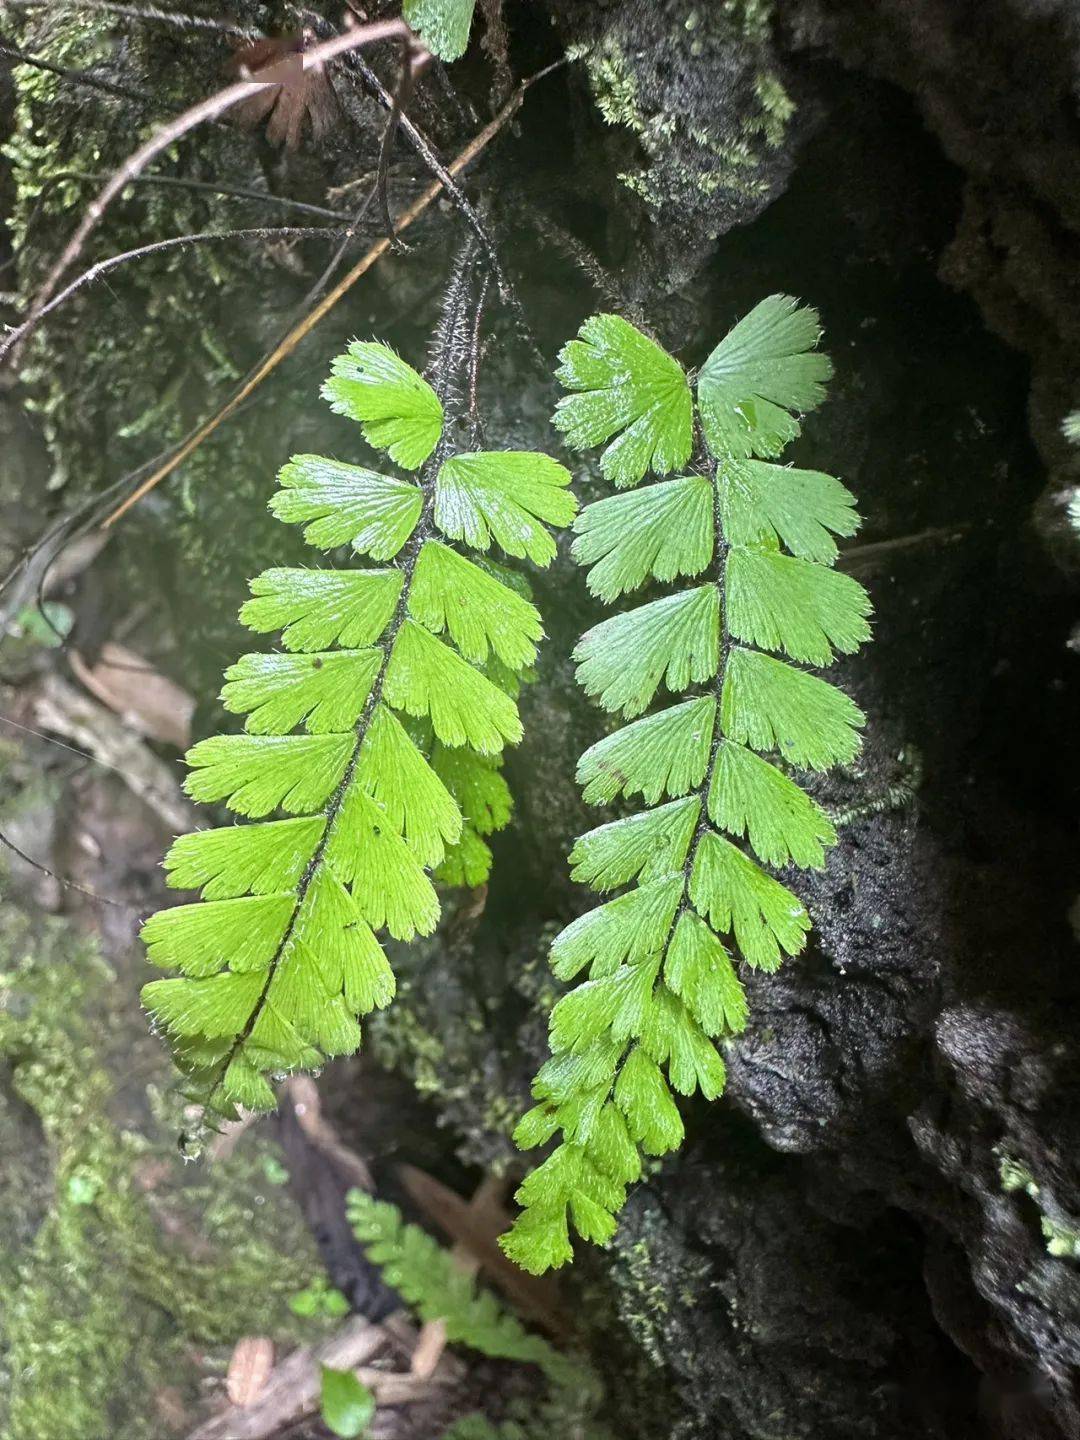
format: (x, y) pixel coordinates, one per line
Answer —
(375, 728)
(624, 386)
(763, 374)
(501, 495)
(656, 965)
(397, 408)
(661, 532)
(342, 504)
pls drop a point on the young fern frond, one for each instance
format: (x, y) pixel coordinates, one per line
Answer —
(756, 542)
(372, 745)
(426, 1276)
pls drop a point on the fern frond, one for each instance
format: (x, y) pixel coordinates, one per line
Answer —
(378, 727)
(656, 965)
(425, 1275)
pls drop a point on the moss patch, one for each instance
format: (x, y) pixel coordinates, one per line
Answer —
(117, 1259)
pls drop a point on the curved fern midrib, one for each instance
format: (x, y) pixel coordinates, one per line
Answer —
(407, 566)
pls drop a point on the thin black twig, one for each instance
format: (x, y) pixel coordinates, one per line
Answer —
(65, 880)
(210, 187)
(423, 148)
(177, 19)
(175, 242)
(411, 65)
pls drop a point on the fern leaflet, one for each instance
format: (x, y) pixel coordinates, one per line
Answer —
(375, 735)
(756, 543)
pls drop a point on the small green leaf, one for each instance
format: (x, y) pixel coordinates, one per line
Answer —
(762, 370)
(628, 387)
(306, 1302)
(642, 1094)
(698, 969)
(477, 785)
(481, 615)
(772, 706)
(646, 846)
(426, 677)
(737, 897)
(348, 1407)
(315, 609)
(243, 859)
(507, 496)
(397, 408)
(254, 774)
(630, 929)
(406, 788)
(664, 754)
(341, 504)
(749, 796)
(443, 25)
(662, 531)
(324, 692)
(83, 1187)
(622, 661)
(765, 504)
(780, 603)
(202, 939)
(388, 882)
(48, 623)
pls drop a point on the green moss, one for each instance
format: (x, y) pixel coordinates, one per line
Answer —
(614, 86)
(697, 88)
(1062, 1236)
(120, 1258)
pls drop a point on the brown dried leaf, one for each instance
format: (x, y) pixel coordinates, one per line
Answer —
(249, 1368)
(299, 94)
(147, 701)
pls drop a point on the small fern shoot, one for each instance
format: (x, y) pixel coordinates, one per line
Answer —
(427, 1277)
(751, 545)
(372, 740)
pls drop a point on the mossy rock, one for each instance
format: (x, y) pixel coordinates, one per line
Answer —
(116, 1258)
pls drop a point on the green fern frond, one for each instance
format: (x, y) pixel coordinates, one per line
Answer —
(656, 965)
(425, 1275)
(379, 728)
